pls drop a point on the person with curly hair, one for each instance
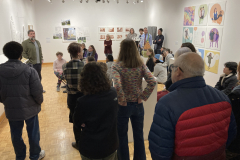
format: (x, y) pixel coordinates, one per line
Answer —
(96, 114)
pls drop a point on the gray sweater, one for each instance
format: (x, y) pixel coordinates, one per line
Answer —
(20, 90)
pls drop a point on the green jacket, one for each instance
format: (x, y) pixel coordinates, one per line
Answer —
(29, 51)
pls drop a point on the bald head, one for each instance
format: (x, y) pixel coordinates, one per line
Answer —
(181, 51)
(188, 65)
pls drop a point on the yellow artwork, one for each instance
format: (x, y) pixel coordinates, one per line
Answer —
(211, 60)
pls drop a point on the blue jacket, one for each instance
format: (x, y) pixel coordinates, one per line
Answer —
(194, 120)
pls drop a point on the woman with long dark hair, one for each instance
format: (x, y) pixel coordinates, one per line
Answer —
(128, 73)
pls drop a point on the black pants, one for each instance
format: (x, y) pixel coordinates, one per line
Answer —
(38, 68)
(157, 51)
(72, 103)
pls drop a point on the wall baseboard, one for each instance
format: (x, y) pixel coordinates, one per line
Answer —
(2, 117)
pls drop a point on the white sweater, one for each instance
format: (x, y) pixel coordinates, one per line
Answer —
(160, 71)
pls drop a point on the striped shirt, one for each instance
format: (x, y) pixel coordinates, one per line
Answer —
(128, 82)
(72, 71)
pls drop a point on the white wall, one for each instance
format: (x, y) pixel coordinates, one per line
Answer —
(168, 14)
(87, 15)
(22, 13)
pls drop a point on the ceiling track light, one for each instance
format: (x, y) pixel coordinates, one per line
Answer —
(87, 1)
(141, 1)
(63, 1)
(80, 1)
(107, 1)
(127, 1)
(117, 1)
(50, 1)
(137, 1)
(103, 1)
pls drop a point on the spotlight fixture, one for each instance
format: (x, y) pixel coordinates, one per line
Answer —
(50, 1)
(141, 0)
(103, 1)
(137, 1)
(86, 1)
(127, 1)
(63, 1)
(80, 1)
(107, 1)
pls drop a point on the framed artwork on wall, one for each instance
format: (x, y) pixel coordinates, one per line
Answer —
(187, 34)
(211, 60)
(102, 29)
(201, 15)
(66, 22)
(214, 38)
(69, 34)
(120, 29)
(102, 37)
(189, 16)
(199, 36)
(110, 29)
(217, 13)
(120, 37)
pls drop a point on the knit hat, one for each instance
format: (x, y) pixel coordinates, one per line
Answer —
(157, 56)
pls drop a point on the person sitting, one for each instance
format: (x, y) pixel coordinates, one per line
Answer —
(57, 67)
(228, 80)
(159, 71)
(85, 51)
(190, 46)
(194, 121)
(234, 96)
(104, 66)
(167, 55)
(72, 71)
(168, 83)
(90, 59)
(92, 52)
(150, 63)
(98, 138)
(110, 62)
(21, 93)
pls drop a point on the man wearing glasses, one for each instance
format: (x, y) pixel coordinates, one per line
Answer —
(193, 121)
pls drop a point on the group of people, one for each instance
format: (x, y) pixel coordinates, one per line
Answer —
(191, 121)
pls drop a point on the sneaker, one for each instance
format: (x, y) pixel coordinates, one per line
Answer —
(41, 154)
(65, 91)
(65, 86)
(58, 89)
(44, 91)
(74, 145)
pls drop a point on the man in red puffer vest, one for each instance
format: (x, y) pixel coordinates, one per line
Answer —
(194, 121)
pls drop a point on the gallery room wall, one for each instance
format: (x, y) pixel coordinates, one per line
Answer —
(84, 14)
(169, 15)
(22, 13)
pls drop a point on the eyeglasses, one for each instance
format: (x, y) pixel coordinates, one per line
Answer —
(172, 67)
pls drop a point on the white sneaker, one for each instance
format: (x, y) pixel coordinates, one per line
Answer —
(41, 154)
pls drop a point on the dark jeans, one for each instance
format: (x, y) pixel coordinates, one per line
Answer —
(135, 112)
(38, 68)
(33, 136)
(72, 103)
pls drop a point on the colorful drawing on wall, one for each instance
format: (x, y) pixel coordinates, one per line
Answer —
(211, 59)
(120, 37)
(216, 13)
(102, 29)
(69, 35)
(57, 33)
(66, 22)
(120, 30)
(102, 37)
(187, 34)
(214, 38)
(110, 29)
(189, 15)
(201, 15)
(199, 36)
(201, 52)
(82, 40)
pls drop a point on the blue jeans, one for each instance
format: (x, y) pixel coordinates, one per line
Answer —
(135, 112)
(33, 136)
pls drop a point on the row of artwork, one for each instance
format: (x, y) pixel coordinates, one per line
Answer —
(114, 29)
(211, 59)
(117, 36)
(205, 14)
(204, 37)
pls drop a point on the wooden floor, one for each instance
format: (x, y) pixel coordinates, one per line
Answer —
(55, 130)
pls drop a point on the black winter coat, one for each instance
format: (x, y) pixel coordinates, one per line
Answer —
(228, 83)
(21, 91)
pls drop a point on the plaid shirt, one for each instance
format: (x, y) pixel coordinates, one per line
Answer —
(72, 71)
